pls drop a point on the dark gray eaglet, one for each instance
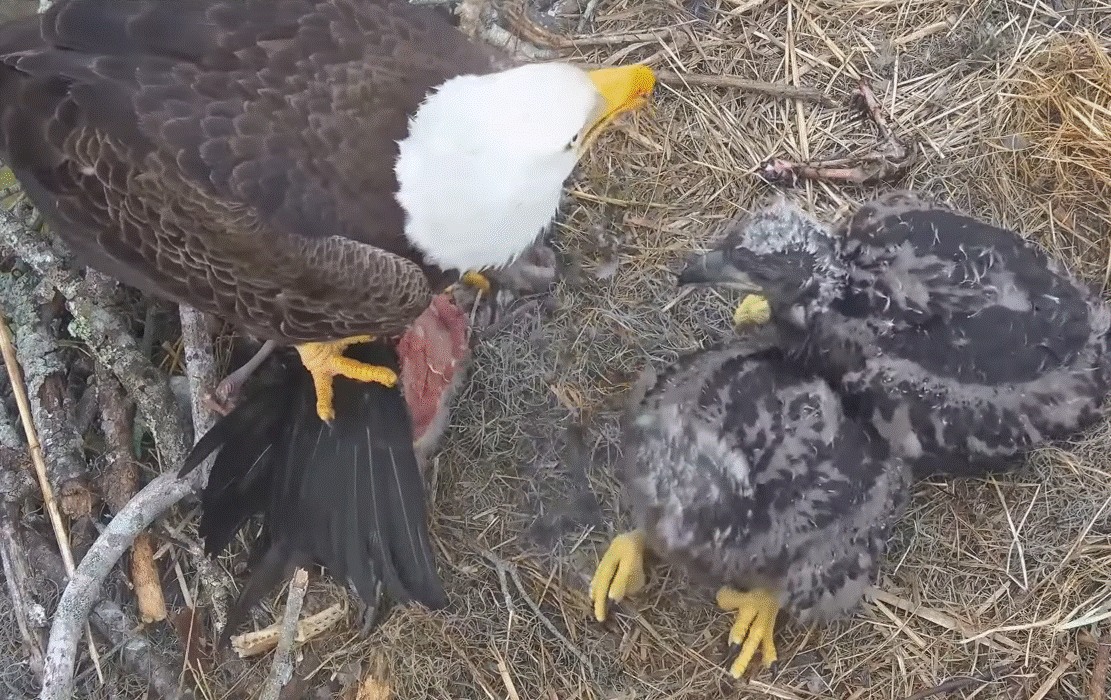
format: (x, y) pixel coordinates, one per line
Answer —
(742, 467)
(962, 343)
(314, 171)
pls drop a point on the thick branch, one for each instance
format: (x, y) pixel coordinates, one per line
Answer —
(44, 377)
(157, 497)
(139, 655)
(109, 339)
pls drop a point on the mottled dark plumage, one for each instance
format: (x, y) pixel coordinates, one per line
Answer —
(233, 155)
(742, 467)
(347, 496)
(964, 344)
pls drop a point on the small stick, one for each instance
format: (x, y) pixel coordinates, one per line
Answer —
(7, 348)
(119, 484)
(200, 367)
(501, 565)
(283, 661)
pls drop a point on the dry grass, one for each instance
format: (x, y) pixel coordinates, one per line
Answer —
(1009, 105)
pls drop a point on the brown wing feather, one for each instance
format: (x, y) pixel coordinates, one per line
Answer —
(235, 156)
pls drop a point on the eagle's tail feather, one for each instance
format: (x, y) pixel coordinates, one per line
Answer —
(348, 495)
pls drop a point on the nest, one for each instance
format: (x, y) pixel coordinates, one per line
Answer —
(990, 587)
(1053, 145)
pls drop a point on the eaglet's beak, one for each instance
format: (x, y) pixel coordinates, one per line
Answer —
(623, 88)
(714, 268)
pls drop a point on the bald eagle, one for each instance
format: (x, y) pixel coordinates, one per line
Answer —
(961, 342)
(741, 466)
(314, 171)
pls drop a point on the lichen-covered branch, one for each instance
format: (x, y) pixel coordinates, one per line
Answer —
(112, 343)
(108, 337)
(283, 655)
(44, 377)
(200, 366)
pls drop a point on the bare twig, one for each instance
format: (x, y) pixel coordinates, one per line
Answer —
(154, 499)
(953, 684)
(1100, 668)
(503, 566)
(120, 482)
(139, 655)
(283, 655)
(7, 347)
(888, 161)
(109, 339)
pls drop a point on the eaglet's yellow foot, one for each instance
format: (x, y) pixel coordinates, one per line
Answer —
(753, 310)
(620, 573)
(756, 611)
(477, 280)
(325, 361)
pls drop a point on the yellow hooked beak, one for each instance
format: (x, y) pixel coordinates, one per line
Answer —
(623, 88)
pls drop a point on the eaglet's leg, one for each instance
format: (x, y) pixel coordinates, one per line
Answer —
(620, 573)
(755, 623)
(325, 361)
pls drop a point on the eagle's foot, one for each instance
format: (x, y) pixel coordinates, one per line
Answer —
(754, 626)
(753, 310)
(325, 361)
(620, 573)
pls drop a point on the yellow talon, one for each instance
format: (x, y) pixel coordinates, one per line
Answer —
(754, 626)
(753, 310)
(325, 361)
(620, 573)
(477, 280)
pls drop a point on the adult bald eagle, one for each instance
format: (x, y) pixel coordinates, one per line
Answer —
(741, 466)
(312, 170)
(961, 342)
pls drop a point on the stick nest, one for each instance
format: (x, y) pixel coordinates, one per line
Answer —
(1007, 107)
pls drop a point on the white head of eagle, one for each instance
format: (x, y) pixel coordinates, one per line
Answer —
(482, 170)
